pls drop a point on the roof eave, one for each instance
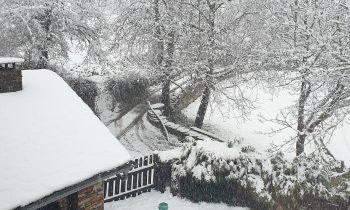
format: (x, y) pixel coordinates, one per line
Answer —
(76, 187)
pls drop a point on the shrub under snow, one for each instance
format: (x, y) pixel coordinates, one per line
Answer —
(238, 175)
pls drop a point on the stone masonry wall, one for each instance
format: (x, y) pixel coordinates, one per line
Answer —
(68, 203)
(91, 198)
(10, 80)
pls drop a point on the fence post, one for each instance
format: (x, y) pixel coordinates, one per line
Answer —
(162, 174)
(158, 182)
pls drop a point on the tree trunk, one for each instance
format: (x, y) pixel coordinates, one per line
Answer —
(202, 108)
(159, 51)
(304, 95)
(168, 70)
(210, 64)
(300, 144)
(159, 55)
(44, 48)
(166, 96)
(43, 59)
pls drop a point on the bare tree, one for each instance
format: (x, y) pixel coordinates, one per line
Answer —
(309, 50)
(169, 30)
(222, 39)
(42, 29)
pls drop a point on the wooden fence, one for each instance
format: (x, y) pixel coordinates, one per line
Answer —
(141, 178)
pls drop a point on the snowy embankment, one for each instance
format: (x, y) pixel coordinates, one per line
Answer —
(131, 128)
(224, 123)
(151, 200)
(127, 123)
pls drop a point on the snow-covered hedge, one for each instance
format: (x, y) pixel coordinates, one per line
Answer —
(85, 89)
(129, 89)
(316, 181)
(238, 175)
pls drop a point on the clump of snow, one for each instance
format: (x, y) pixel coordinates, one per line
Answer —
(157, 106)
(168, 155)
(220, 150)
(151, 200)
(50, 139)
(7, 60)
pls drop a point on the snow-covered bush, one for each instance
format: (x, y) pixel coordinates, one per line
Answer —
(236, 174)
(130, 88)
(308, 181)
(85, 89)
(221, 172)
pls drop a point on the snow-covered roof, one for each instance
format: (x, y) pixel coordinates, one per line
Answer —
(49, 139)
(5, 60)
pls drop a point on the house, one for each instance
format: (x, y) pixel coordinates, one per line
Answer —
(54, 152)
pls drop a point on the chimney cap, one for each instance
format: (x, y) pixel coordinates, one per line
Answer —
(9, 60)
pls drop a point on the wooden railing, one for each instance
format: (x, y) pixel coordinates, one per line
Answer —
(138, 180)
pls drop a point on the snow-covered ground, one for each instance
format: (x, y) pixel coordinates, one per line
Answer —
(227, 126)
(151, 200)
(144, 138)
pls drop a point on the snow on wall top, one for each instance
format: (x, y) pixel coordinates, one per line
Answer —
(50, 140)
(4, 60)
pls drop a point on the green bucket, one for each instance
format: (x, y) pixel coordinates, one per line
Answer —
(163, 206)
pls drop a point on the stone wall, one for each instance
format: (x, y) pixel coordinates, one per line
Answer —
(10, 80)
(91, 198)
(68, 203)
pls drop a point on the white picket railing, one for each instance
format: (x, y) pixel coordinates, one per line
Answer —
(138, 180)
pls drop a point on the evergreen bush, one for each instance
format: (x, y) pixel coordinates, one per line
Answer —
(236, 174)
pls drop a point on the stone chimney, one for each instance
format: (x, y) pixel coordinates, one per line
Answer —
(10, 77)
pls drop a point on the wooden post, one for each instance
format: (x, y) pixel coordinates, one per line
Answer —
(159, 182)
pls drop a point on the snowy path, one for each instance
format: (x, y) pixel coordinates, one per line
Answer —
(123, 125)
(144, 139)
(151, 200)
(130, 127)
